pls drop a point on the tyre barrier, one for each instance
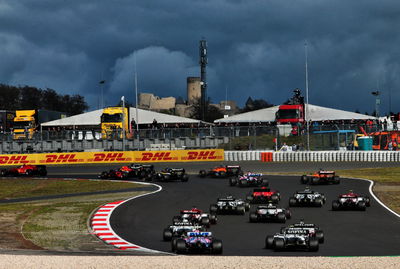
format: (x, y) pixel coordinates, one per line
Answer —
(313, 156)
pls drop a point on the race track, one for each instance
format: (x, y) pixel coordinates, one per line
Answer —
(141, 221)
(347, 233)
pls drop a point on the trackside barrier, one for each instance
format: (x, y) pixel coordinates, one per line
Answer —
(314, 156)
(113, 157)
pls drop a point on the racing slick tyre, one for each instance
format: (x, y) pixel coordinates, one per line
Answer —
(318, 202)
(216, 247)
(103, 175)
(29, 172)
(142, 174)
(173, 244)
(253, 217)
(247, 206)
(281, 217)
(213, 209)
(313, 244)
(269, 242)
(288, 214)
(292, 201)
(213, 218)
(242, 183)
(221, 174)
(279, 244)
(185, 178)
(314, 180)
(148, 177)
(202, 173)
(335, 205)
(361, 205)
(167, 235)
(232, 181)
(367, 201)
(249, 198)
(3, 172)
(303, 179)
(240, 210)
(205, 222)
(180, 246)
(336, 180)
(274, 198)
(320, 236)
(176, 219)
(42, 171)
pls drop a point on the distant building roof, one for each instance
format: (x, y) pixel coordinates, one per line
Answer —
(315, 113)
(93, 118)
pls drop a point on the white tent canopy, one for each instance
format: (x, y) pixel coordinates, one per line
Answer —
(92, 118)
(315, 113)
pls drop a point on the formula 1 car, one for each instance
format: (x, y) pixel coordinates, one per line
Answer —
(222, 171)
(263, 195)
(196, 216)
(270, 213)
(307, 198)
(179, 229)
(249, 179)
(292, 238)
(140, 171)
(351, 201)
(170, 174)
(25, 170)
(114, 174)
(197, 242)
(320, 177)
(229, 205)
(313, 230)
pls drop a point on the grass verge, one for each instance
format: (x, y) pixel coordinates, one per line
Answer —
(56, 224)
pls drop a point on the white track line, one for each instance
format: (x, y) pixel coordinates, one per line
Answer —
(371, 185)
(101, 227)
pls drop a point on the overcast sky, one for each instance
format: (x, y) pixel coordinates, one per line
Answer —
(255, 48)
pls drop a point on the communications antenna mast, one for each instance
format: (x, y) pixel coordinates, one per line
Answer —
(203, 81)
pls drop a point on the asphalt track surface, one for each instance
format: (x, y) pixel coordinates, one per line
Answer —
(141, 221)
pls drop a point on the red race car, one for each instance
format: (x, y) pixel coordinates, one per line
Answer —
(25, 170)
(263, 195)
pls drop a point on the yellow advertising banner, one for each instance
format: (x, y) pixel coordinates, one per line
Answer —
(113, 157)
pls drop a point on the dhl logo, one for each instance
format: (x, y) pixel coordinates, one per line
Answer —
(201, 155)
(21, 159)
(60, 158)
(109, 157)
(158, 156)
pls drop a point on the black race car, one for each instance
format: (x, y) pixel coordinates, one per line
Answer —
(313, 230)
(295, 238)
(140, 171)
(307, 198)
(197, 242)
(179, 229)
(170, 174)
(270, 213)
(114, 174)
(351, 201)
(196, 216)
(222, 171)
(249, 179)
(229, 205)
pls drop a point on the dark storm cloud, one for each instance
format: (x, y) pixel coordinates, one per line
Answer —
(256, 48)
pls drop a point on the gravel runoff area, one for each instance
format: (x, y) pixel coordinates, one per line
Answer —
(186, 262)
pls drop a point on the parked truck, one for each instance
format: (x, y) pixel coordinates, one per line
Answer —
(293, 111)
(113, 121)
(27, 122)
(6, 120)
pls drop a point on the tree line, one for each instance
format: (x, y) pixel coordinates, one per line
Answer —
(27, 97)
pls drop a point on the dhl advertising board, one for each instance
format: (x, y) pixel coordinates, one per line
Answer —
(113, 157)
